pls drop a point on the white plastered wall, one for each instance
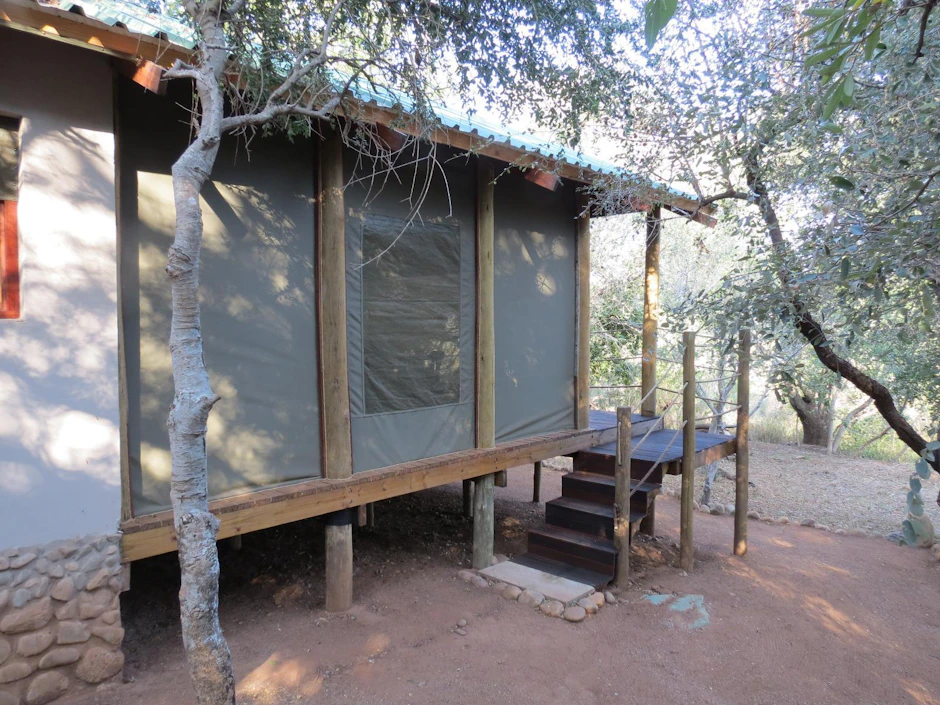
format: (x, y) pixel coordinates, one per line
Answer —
(59, 439)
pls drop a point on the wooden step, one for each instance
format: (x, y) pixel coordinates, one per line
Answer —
(604, 464)
(574, 548)
(600, 488)
(594, 578)
(587, 517)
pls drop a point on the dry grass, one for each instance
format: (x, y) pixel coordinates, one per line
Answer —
(801, 482)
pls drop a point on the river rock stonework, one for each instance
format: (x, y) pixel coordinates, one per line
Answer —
(60, 618)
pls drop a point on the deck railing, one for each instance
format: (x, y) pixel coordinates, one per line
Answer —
(687, 392)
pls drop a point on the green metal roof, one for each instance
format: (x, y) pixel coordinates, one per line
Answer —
(136, 19)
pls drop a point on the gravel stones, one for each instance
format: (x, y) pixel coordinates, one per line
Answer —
(531, 598)
(587, 604)
(574, 614)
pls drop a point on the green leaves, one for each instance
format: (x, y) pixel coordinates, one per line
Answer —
(658, 13)
(842, 182)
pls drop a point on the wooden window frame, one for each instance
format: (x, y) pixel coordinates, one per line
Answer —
(9, 262)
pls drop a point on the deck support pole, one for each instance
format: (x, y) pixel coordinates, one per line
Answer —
(483, 522)
(648, 523)
(583, 293)
(537, 482)
(686, 553)
(334, 373)
(483, 519)
(741, 455)
(468, 498)
(622, 496)
(654, 227)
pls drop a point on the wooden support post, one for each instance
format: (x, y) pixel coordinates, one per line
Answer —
(334, 374)
(686, 557)
(235, 543)
(468, 498)
(622, 496)
(362, 515)
(485, 363)
(339, 561)
(741, 458)
(583, 343)
(501, 479)
(483, 521)
(370, 515)
(648, 523)
(537, 482)
(654, 228)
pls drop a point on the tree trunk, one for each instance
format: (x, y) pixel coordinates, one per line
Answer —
(207, 653)
(814, 417)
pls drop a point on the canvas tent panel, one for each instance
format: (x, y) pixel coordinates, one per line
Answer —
(411, 310)
(535, 298)
(257, 297)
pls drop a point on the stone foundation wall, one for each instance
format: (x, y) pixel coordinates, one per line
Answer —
(60, 618)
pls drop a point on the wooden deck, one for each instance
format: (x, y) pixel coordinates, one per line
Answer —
(153, 534)
(665, 444)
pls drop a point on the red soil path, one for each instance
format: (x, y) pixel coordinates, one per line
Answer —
(807, 617)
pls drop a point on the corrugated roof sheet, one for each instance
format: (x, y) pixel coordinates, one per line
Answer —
(136, 19)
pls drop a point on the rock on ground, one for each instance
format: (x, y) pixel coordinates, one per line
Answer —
(532, 598)
(574, 614)
(587, 604)
(512, 592)
(552, 608)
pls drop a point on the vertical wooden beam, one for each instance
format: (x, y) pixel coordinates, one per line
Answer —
(648, 523)
(483, 522)
(127, 500)
(483, 519)
(688, 451)
(654, 227)
(537, 482)
(370, 515)
(501, 478)
(334, 374)
(622, 496)
(741, 455)
(468, 498)
(583, 343)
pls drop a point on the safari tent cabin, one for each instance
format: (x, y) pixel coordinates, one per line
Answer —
(363, 347)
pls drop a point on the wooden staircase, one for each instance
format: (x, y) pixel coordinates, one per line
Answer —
(577, 539)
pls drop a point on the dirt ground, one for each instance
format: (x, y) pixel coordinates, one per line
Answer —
(807, 617)
(802, 482)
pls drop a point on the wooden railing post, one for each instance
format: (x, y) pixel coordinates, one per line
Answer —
(334, 379)
(741, 448)
(537, 482)
(686, 552)
(622, 496)
(583, 294)
(483, 519)
(654, 228)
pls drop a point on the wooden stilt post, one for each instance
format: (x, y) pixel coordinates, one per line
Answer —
(483, 520)
(537, 482)
(334, 374)
(622, 496)
(583, 343)
(648, 523)
(741, 458)
(370, 515)
(654, 226)
(468, 498)
(501, 478)
(686, 557)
